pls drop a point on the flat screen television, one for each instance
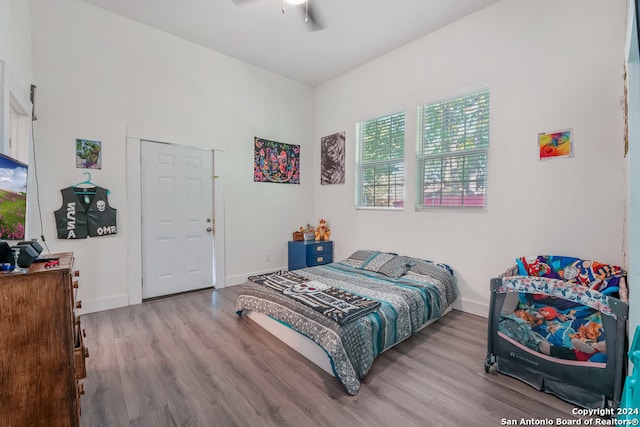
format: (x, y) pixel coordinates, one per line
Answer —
(13, 198)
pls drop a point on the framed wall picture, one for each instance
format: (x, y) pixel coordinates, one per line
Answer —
(556, 144)
(276, 162)
(88, 154)
(332, 159)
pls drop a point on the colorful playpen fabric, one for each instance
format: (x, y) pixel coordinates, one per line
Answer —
(604, 278)
(560, 304)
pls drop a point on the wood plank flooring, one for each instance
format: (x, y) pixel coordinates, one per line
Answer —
(189, 360)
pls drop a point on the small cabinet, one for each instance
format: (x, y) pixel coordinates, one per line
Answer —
(309, 253)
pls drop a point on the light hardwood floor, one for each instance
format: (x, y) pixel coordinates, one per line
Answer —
(189, 360)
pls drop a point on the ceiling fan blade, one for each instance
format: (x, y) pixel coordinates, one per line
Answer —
(312, 18)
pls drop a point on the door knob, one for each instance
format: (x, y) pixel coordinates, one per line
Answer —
(208, 219)
(209, 229)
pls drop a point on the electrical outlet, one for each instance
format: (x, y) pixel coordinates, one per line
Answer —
(267, 258)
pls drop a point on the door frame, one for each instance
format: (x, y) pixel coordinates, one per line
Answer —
(135, 136)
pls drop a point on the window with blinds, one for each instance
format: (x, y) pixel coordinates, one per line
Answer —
(453, 144)
(380, 162)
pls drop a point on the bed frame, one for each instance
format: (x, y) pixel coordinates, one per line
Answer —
(303, 345)
(326, 313)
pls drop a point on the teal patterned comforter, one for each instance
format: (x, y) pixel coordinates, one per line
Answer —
(410, 297)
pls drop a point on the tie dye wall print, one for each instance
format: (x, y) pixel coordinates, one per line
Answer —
(276, 162)
(556, 144)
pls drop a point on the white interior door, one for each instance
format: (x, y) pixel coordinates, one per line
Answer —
(177, 218)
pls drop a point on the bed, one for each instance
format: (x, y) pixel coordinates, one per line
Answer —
(344, 314)
(559, 324)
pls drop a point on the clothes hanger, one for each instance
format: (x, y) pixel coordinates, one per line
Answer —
(85, 190)
(88, 190)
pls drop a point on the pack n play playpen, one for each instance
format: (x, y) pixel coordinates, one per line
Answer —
(559, 324)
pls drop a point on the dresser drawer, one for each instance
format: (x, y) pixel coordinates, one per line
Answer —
(309, 253)
(319, 253)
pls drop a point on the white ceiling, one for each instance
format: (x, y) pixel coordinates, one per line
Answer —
(257, 32)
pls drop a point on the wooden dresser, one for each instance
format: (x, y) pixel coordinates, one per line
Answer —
(42, 353)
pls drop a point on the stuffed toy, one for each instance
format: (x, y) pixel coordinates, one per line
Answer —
(589, 332)
(322, 230)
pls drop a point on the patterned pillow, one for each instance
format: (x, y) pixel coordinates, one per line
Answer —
(417, 265)
(593, 274)
(358, 258)
(386, 263)
(588, 273)
(536, 266)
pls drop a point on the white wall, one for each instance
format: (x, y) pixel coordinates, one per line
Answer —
(15, 53)
(549, 65)
(561, 67)
(16, 76)
(98, 74)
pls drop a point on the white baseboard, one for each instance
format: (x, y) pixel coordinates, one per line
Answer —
(241, 278)
(471, 307)
(101, 304)
(122, 300)
(235, 280)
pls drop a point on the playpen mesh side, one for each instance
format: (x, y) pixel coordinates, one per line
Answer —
(590, 385)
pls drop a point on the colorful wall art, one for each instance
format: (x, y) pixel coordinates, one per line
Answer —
(332, 158)
(555, 144)
(88, 154)
(276, 162)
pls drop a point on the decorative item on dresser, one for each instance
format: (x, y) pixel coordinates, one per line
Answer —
(42, 353)
(309, 253)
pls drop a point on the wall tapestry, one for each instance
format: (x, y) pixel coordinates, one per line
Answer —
(332, 157)
(88, 154)
(276, 162)
(555, 144)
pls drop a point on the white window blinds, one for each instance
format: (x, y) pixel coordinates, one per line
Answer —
(380, 162)
(453, 144)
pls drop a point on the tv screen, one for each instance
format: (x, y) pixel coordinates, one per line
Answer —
(13, 198)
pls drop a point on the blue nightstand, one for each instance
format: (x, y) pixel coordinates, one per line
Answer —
(309, 253)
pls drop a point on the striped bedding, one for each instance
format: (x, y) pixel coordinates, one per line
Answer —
(411, 294)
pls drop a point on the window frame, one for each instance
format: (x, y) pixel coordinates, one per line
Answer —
(361, 165)
(482, 154)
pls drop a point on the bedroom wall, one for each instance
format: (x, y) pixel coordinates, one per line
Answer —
(549, 65)
(15, 38)
(16, 76)
(99, 74)
(15, 52)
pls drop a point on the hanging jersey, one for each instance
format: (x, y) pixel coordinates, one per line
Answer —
(83, 215)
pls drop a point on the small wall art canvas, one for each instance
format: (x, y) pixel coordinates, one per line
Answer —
(332, 158)
(556, 144)
(88, 154)
(276, 162)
